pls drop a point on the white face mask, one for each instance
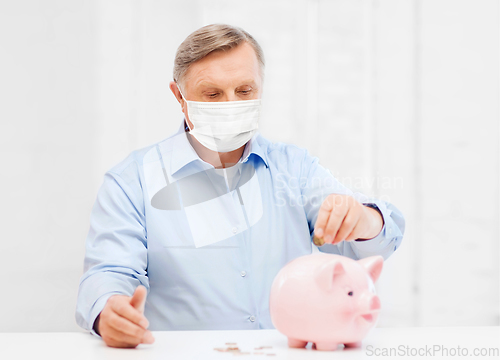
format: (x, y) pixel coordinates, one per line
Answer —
(223, 126)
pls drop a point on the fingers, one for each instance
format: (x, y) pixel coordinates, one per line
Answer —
(339, 218)
(116, 343)
(335, 221)
(323, 215)
(363, 228)
(348, 226)
(122, 307)
(139, 298)
(116, 338)
(126, 327)
(122, 325)
(352, 235)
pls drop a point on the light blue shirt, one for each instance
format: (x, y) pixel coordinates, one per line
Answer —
(207, 243)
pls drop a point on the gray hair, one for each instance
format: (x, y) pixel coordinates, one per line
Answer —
(210, 38)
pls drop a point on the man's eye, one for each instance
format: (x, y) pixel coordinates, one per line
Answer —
(245, 92)
(212, 95)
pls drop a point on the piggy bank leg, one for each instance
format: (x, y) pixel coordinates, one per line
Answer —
(325, 346)
(353, 345)
(294, 343)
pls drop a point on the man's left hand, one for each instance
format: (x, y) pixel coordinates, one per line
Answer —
(341, 217)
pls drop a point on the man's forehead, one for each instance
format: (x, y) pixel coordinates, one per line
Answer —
(233, 66)
(213, 83)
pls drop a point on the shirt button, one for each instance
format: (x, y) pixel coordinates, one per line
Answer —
(252, 318)
(243, 273)
(235, 230)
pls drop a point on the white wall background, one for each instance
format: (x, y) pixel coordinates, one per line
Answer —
(399, 98)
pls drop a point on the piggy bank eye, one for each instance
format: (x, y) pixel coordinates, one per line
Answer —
(350, 293)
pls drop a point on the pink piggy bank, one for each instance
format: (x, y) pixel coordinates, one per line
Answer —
(326, 299)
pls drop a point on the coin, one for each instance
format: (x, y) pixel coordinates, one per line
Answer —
(317, 241)
(233, 349)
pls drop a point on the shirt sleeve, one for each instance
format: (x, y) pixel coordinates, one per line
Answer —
(317, 183)
(115, 248)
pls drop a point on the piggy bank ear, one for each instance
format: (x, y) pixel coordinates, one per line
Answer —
(373, 265)
(325, 274)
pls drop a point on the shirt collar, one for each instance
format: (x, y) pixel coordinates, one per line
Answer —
(183, 153)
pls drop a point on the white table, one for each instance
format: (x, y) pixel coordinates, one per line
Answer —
(200, 345)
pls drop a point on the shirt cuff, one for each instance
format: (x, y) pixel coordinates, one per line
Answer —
(97, 308)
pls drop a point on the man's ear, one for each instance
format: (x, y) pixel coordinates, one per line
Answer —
(176, 92)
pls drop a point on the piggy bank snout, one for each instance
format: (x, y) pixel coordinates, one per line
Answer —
(375, 303)
(370, 311)
(370, 304)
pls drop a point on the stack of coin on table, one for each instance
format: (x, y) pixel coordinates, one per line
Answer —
(231, 347)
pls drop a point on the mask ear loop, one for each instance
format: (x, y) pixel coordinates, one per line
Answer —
(179, 88)
(185, 100)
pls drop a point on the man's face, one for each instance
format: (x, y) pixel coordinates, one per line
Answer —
(232, 75)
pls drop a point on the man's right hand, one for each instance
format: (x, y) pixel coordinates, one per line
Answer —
(122, 322)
